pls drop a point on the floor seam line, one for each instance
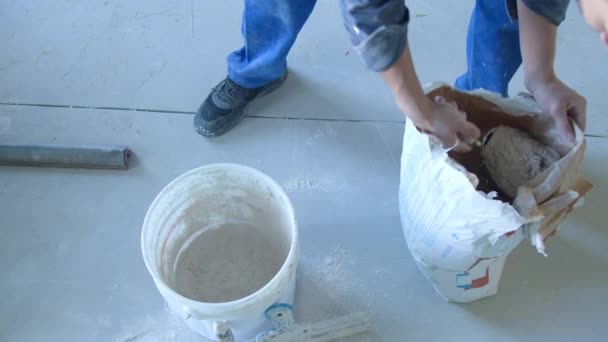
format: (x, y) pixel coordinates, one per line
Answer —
(147, 110)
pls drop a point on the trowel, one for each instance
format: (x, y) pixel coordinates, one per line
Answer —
(286, 330)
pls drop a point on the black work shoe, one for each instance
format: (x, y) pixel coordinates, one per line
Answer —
(224, 107)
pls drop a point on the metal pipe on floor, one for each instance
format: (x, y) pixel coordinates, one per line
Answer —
(83, 156)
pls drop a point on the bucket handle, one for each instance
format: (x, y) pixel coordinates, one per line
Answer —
(221, 329)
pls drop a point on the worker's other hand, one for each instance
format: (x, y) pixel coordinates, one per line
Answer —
(595, 13)
(449, 124)
(562, 103)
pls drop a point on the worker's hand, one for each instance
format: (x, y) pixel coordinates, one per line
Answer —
(439, 118)
(562, 103)
(449, 124)
(538, 40)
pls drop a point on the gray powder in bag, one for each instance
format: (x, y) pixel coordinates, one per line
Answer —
(512, 158)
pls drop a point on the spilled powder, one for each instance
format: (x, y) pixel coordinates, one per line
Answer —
(306, 184)
(332, 274)
(162, 327)
(335, 277)
(320, 133)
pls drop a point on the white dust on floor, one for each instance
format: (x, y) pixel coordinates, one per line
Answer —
(162, 327)
(307, 184)
(335, 276)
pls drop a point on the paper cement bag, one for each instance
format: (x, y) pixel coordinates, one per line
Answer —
(458, 228)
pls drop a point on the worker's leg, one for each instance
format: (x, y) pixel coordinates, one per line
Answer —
(269, 29)
(493, 54)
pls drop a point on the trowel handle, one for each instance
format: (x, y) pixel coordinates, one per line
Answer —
(335, 328)
(286, 330)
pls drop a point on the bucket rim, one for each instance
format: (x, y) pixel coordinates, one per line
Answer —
(254, 302)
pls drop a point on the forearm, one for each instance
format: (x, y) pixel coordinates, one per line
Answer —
(378, 31)
(403, 82)
(537, 40)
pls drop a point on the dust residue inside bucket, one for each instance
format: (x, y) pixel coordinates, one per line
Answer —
(227, 262)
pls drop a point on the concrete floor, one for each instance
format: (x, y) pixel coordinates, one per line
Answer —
(133, 72)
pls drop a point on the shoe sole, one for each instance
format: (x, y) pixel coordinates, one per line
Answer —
(262, 93)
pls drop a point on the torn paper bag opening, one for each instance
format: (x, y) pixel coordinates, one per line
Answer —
(458, 225)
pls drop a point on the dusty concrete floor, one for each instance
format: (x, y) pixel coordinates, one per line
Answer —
(69, 252)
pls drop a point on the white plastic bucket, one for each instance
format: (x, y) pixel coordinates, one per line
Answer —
(213, 235)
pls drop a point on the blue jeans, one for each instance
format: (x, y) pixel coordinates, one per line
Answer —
(493, 54)
(270, 28)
